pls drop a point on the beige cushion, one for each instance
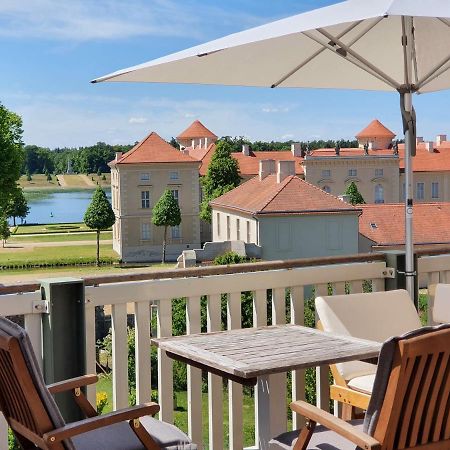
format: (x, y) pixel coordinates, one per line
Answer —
(376, 316)
(441, 307)
(362, 384)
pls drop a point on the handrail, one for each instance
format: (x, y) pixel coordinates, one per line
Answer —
(206, 271)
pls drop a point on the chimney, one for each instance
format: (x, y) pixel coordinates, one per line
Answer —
(419, 139)
(429, 146)
(266, 167)
(185, 151)
(118, 155)
(296, 149)
(246, 149)
(337, 150)
(344, 198)
(285, 169)
(440, 138)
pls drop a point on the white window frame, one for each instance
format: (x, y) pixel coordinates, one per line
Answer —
(326, 173)
(145, 199)
(176, 195)
(238, 229)
(145, 231)
(379, 172)
(379, 193)
(175, 232)
(174, 175)
(420, 190)
(435, 189)
(145, 176)
(352, 172)
(228, 228)
(218, 224)
(248, 231)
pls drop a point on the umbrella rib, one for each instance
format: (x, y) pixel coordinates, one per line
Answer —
(314, 55)
(345, 49)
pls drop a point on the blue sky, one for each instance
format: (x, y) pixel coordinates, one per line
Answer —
(52, 48)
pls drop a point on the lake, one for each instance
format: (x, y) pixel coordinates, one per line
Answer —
(58, 207)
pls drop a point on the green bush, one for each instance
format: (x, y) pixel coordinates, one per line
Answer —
(229, 258)
(12, 441)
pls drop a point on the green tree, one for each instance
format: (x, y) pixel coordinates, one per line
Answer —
(355, 196)
(11, 154)
(166, 213)
(222, 176)
(18, 206)
(99, 216)
(4, 230)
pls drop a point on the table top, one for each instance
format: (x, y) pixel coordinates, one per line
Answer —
(244, 354)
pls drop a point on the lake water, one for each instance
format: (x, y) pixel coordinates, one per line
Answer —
(58, 207)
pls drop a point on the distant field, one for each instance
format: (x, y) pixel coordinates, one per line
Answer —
(52, 228)
(38, 181)
(60, 237)
(52, 255)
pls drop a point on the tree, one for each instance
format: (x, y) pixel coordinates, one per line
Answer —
(166, 213)
(4, 230)
(99, 216)
(17, 206)
(222, 176)
(355, 196)
(11, 154)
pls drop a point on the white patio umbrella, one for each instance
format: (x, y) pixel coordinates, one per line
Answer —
(386, 45)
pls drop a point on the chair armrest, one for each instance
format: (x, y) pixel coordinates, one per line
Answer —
(93, 423)
(335, 424)
(73, 383)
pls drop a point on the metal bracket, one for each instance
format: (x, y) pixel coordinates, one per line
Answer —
(41, 307)
(389, 272)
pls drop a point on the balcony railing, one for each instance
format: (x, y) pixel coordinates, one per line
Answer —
(152, 293)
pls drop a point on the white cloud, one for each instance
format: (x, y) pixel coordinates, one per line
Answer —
(271, 109)
(83, 20)
(138, 120)
(287, 137)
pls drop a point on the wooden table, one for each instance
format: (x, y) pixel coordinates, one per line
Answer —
(251, 356)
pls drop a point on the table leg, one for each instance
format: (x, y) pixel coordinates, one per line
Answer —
(271, 417)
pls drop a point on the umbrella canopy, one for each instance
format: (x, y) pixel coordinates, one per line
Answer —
(351, 45)
(384, 45)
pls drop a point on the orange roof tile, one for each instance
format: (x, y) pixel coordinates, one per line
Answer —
(430, 225)
(291, 196)
(375, 129)
(154, 149)
(196, 130)
(249, 165)
(424, 161)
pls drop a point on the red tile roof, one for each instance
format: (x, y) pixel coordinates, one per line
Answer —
(291, 196)
(196, 130)
(349, 152)
(430, 224)
(248, 165)
(154, 149)
(424, 161)
(375, 129)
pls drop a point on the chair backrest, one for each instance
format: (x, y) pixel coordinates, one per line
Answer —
(24, 398)
(410, 404)
(441, 306)
(375, 316)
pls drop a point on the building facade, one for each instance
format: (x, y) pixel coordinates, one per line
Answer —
(138, 179)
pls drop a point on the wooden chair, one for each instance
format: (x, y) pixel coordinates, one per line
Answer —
(31, 412)
(409, 408)
(375, 316)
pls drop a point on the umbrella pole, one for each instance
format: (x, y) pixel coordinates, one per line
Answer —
(410, 274)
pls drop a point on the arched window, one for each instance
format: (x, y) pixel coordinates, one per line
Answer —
(327, 189)
(379, 194)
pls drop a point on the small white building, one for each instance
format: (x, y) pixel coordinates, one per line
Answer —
(286, 216)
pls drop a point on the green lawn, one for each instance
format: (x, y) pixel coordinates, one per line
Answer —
(38, 181)
(60, 237)
(58, 254)
(52, 228)
(181, 416)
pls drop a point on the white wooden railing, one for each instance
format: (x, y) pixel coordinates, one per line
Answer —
(143, 296)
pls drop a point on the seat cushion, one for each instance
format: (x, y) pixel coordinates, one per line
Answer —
(121, 437)
(362, 384)
(364, 316)
(322, 439)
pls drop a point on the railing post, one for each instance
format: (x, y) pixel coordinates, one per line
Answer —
(396, 260)
(63, 331)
